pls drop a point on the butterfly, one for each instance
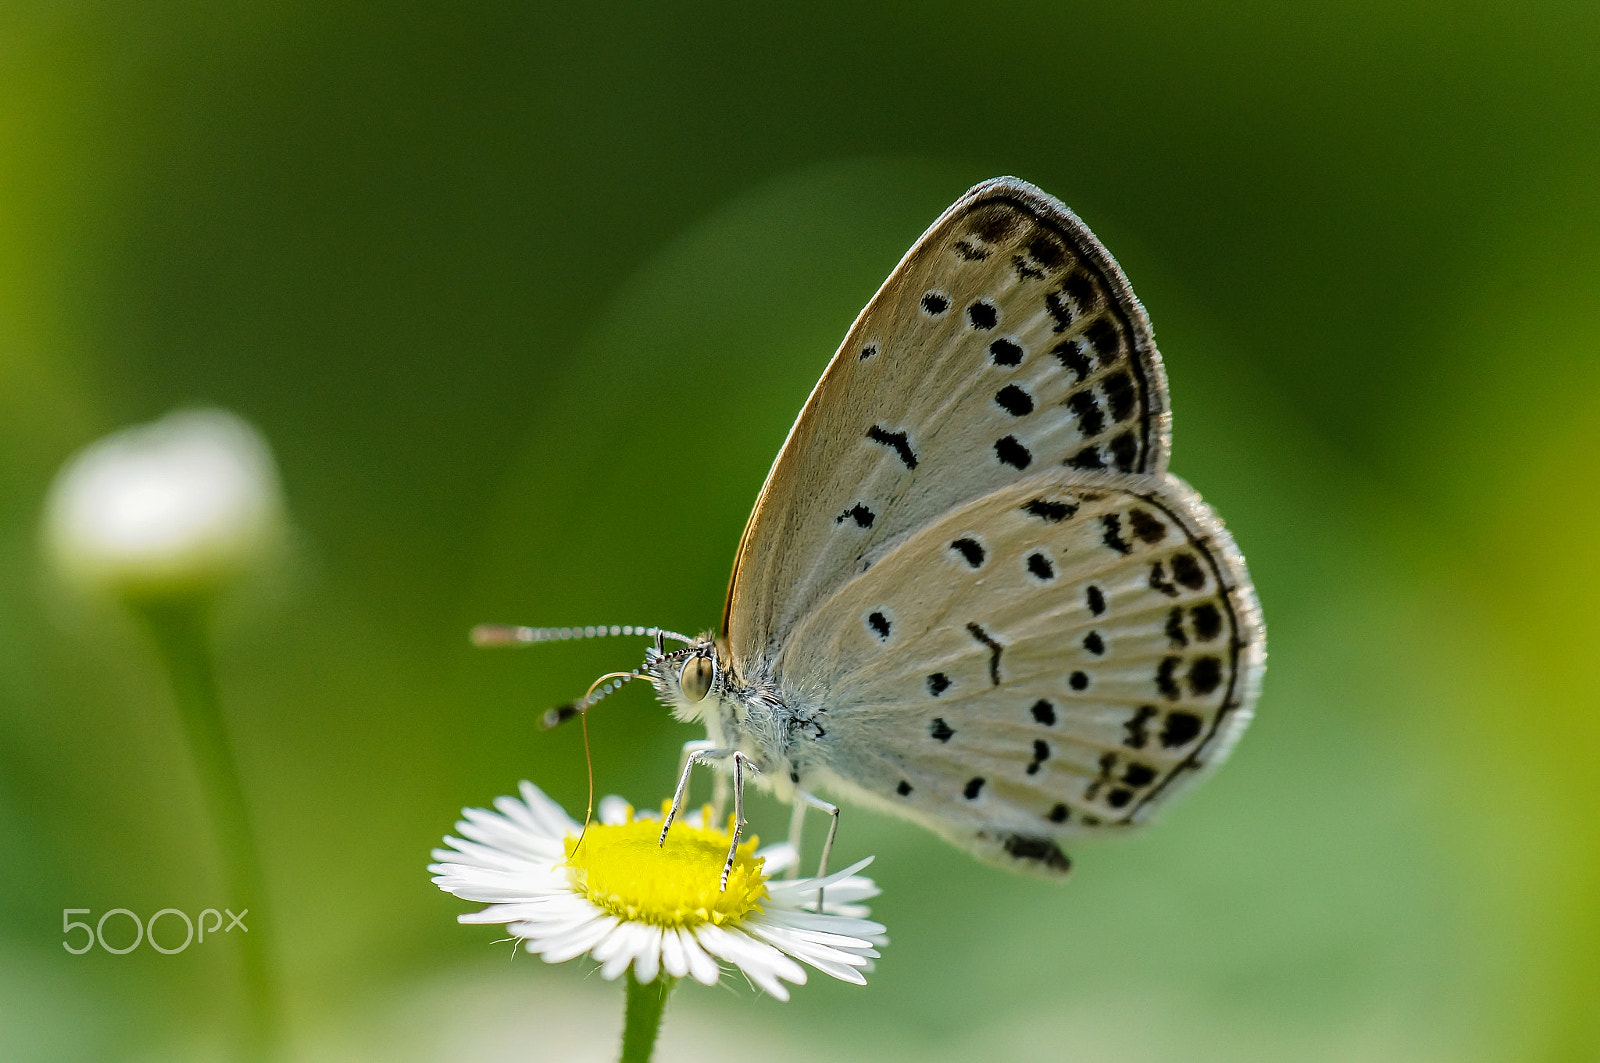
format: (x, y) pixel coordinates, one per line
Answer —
(970, 594)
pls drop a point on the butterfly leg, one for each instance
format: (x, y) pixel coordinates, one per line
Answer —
(694, 753)
(699, 745)
(704, 753)
(803, 798)
(739, 761)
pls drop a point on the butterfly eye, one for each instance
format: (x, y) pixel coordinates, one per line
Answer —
(695, 679)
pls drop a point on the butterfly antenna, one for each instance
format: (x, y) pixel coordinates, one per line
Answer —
(607, 684)
(517, 635)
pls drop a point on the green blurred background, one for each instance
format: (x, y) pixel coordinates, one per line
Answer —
(526, 297)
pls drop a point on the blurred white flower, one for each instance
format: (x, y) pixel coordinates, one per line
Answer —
(177, 506)
(625, 900)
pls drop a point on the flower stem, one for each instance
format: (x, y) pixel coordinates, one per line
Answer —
(642, 1021)
(178, 629)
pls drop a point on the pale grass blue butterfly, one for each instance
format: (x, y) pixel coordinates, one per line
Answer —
(970, 594)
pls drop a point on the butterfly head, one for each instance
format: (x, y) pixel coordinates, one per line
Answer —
(687, 679)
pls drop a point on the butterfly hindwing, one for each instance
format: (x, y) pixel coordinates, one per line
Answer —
(1006, 342)
(1057, 657)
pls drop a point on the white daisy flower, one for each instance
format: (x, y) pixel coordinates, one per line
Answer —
(624, 900)
(177, 506)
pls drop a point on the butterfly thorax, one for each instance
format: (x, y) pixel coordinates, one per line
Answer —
(745, 713)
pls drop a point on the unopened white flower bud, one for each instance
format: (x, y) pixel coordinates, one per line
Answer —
(179, 506)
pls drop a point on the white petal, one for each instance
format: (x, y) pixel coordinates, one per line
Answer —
(621, 947)
(831, 924)
(840, 965)
(673, 960)
(544, 812)
(499, 888)
(613, 810)
(815, 937)
(701, 966)
(647, 964)
(550, 910)
(617, 941)
(760, 961)
(536, 854)
(779, 858)
(576, 942)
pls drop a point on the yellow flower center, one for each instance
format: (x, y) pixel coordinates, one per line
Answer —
(622, 870)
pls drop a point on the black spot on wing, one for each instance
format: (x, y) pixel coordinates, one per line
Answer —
(1026, 270)
(1040, 851)
(1124, 451)
(1180, 729)
(1138, 775)
(1058, 814)
(1044, 712)
(940, 730)
(1095, 599)
(1164, 678)
(1046, 251)
(1120, 396)
(1047, 511)
(1137, 727)
(1005, 352)
(995, 223)
(973, 788)
(1084, 407)
(970, 550)
(1187, 571)
(1059, 306)
(938, 683)
(988, 640)
(1039, 566)
(1112, 536)
(935, 303)
(904, 789)
(1146, 527)
(1094, 643)
(1011, 452)
(895, 441)
(1159, 581)
(1078, 680)
(1087, 458)
(1014, 400)
(1175, 633)
(1207, 621)
(1119, 798)
(1081, 290)
(879, 623)
(1102, 336)
(858, 513)
(1071, 356)
(868, 351)
(1205, 675)
(970, 252)
(983, 315)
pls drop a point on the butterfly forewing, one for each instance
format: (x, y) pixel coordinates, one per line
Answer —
(1005, 343)
(1058, 656)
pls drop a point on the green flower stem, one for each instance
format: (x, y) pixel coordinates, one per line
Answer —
(178, 627)
(642, 1021)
